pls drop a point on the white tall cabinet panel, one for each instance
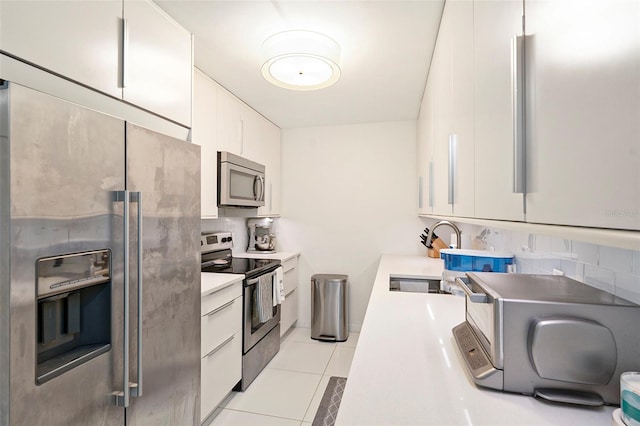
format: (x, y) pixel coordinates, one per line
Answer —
(274, 172)
(157, 62)
(440, 72)
(460, 13)
(495, 25)
(451, 85)
(583, 112)
(424, 150)
(78, 40)
(203, 133)
(261, 143)
(230, 125)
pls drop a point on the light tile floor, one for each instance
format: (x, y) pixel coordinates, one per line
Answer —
(289, 390)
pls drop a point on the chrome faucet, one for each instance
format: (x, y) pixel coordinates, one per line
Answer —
(444, 222)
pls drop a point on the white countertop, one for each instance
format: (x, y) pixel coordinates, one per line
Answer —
(282, 256)
(212, 282)
(407, 369)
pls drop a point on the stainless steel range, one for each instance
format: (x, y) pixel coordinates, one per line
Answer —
(260, 315)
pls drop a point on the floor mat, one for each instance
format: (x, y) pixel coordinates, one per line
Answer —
(328, 409)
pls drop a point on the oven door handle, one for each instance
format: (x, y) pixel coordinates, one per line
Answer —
(473, 297)
(254, 281)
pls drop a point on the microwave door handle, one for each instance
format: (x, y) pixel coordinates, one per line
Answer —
(256, 194)
(261, 188)
(473, 297)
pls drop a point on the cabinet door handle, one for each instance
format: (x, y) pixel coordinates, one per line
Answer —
(220, 308)
(452, 166)
(431, 183)
(420, 186)
(125, 52)
(517, 114)
(220, 346)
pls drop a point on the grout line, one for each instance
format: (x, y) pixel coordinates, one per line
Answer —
(266, 415)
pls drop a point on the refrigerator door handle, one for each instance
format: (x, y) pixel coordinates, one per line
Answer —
(121, 397)
(136, 388)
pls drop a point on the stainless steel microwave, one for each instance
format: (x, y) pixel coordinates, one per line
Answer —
(240, 181)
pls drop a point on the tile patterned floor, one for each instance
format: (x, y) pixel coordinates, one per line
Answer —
(289, 389)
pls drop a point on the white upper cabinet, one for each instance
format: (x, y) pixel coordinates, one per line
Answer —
(273, 171)
(583, 112)
(157, 62)
(131, 50)
(238, 129)
(440, 73)
(230, 127)
(450, 85)
(424, 151)
(78, 40)
(496, 25)
(261, 143)
(461, 16)
(205, 96)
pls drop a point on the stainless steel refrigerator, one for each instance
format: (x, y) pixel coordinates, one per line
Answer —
(99, 268)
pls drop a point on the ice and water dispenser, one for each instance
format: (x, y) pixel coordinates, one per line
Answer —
(74, 311)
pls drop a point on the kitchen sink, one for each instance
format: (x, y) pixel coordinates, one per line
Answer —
(415, 285)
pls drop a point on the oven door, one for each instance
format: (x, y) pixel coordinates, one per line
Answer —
(240, 185)
(254, 327)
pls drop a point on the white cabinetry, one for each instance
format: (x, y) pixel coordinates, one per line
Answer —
(451, 181)
(78, 40)
(264, 146)
(424, 151)
(495, 25)
(131, 51)
(289, 308)
(568, 98)
(230, 126)
(221, 345)
(583, 113)
(157, 62)
(222, 122)
(205, 96)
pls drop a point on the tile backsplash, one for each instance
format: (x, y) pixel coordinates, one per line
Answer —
(611, 269)
(237, 226)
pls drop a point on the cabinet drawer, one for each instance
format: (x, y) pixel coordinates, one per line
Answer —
(289, 312)
(219, 324)
(220, 371)
(290, 264)
(290, 280)
(213, 301)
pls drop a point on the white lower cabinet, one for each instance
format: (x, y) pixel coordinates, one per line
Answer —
(289, 312)
(221, 345)
(289, 308)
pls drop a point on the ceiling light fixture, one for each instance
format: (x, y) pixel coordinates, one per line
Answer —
(301, 60)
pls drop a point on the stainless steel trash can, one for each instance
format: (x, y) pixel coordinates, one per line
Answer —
(329, 307)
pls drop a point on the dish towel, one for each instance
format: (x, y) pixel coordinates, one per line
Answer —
(278, 287)
(264, 298)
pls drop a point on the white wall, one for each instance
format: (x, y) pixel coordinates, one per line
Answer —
(349, 194)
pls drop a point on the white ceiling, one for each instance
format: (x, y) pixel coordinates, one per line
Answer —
(386, 50)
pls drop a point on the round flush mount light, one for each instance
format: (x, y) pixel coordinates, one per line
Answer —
(301, 60)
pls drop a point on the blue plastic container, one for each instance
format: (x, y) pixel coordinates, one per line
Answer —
(475, 260)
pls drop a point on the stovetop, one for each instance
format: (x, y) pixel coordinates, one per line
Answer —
(223, 262)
